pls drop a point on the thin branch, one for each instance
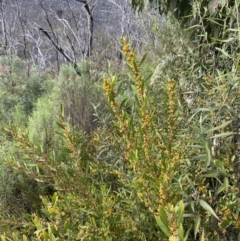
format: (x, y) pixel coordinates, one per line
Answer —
(60, 50)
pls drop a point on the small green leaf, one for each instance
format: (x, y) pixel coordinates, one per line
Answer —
(187, 233)
(3, 238)
(223, 40)
(54, 198)
(208, 208)
(147, 77)
(189, 215)
(135, 66)
(60, 125)
(143, 58)
(221, 188)
(37, 223)
(15, 238)
(223, 125)
(212, 174)
(202, 237)
(223, 52)
(163, 216)
(226, 183)
(122, 103)
(197, 111)
(180, 212)
(192, 206)
(197, 225)
(162, 226)
(181, 232)
(119, 88)
(208, 155)
(224, 134)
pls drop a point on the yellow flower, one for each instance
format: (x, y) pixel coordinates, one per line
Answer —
(52, 210)
(173, 238)
(237, 224)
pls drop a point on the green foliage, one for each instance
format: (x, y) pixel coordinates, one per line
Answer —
(42, 126)
(211, 110)
(89, 203)
(18, 86)
(212, 23)
(79, 95)
(20, 89)
(165, 166)
(156, 171)
(179, 8)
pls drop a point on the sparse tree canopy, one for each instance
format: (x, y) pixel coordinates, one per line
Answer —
(179, 8)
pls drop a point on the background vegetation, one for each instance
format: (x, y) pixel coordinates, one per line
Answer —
(132, 147)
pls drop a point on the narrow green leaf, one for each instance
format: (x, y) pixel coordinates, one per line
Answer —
(224, 124)
(25, 237)
(181, 232)
(162, 226)
(180, 212)
(62, 110)
(200, 157)
(223, 52)
(208, 155)
(221, 188)
(54, 198)
(224, 134)
(196, 146)
(187, 233)
(163, 216)
(49, 229)
(226, 183)
(213, 174)
(192, 206)
(50, 232)
(135, 66)
(3, 238)
(122, 103)
(148, 77)
(37, 223)
(119, 88)
(15, 238)
(197, 225)
(60, 125)
(143, 58)
(224, 40)
(202, 236)
(208, 208)
(189, 215)
(197, 111)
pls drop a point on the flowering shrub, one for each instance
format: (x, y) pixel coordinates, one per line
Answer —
(162, 167)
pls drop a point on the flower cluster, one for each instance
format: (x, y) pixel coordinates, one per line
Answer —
(173, 227)
(172, 106)
(108, 87)
(134, 65)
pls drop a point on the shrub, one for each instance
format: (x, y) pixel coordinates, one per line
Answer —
(79, 95)
(165, 167)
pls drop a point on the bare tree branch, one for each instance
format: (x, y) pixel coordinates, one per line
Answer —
(60, 50)
(89, 10)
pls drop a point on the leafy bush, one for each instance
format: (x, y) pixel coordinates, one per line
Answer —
(42, 126)
(20, 89)
(19, 86)
(164, 167)
(79, 95)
